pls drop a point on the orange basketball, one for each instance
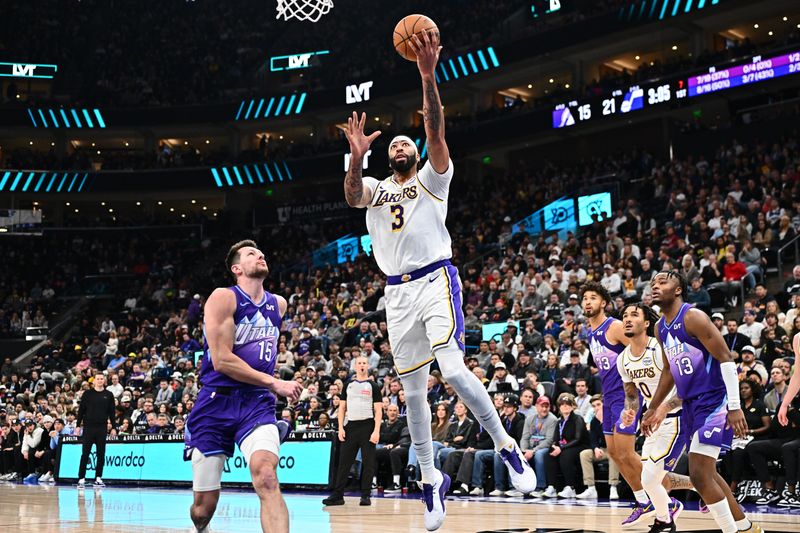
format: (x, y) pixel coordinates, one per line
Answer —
(408, 26)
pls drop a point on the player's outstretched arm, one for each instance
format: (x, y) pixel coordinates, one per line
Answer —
(699, 325)
(355, 192)
(427, 49)
(219, 330)
(794, 384)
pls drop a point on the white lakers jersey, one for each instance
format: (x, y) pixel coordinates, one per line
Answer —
(644, 370)
(407, 223)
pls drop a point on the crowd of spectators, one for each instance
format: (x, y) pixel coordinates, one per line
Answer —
(702, 215)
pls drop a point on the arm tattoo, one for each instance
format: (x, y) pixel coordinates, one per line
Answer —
(679, 482)
(674, 403)
(432, 109)
(631, 397)
(353, 185)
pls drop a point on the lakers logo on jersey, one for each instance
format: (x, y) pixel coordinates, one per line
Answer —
(386, 197)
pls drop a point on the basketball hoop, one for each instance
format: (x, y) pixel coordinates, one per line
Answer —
(303, 9)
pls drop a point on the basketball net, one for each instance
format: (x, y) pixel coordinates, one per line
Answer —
(303, 9)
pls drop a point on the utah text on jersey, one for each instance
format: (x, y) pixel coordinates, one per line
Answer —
(254, 328)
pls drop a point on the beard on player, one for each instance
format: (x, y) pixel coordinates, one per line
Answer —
(259, 270)
(402, 163)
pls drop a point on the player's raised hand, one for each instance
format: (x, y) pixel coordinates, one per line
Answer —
(359, 143)
(289, 389)
(738, 423)
(427, 50)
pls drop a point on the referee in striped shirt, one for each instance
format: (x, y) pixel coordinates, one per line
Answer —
(361, 403)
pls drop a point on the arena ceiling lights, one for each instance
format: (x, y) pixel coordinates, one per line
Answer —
(71, 117)
(273, 107)
(23, 181)
(251, 174)
(661, 9)
(467, 64)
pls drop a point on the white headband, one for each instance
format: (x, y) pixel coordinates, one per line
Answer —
(403, 138)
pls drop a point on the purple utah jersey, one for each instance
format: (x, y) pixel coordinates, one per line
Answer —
(605, 358)
(226, 410)
(694, 369)
(699, 382)
(255, 340)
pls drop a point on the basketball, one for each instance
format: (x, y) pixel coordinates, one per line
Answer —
(408, 26)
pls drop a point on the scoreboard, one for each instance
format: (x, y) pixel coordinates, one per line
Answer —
(647, 95)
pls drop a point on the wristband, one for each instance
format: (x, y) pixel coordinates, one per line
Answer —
(729, 377)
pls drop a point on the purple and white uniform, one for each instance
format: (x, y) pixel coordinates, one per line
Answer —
(605, 356)
(699, 382)
(226, 410)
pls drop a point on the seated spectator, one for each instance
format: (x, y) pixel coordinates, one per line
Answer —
(502, 381)
(751, 257)
(527, 397)
(749, 364)
(597, 451)
(583, 401)
(773, 398)
(751, 328)
(389, 450)
(571, 438)
(571, 373)
(461, 434)
(514, 424)
(781, 446)
(758, 420)
(734, 339)
(536, 441)
(440, 429)
(33, 445)
(164, 394)
(469, 478)
(550, 372)
(699, 296)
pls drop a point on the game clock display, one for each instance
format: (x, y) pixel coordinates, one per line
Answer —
(619, 102)
(637, 97)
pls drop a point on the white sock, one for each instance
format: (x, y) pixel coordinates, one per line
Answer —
(375, 481)
(472, 392)
(744, 524)
(396, 479)
(641, 496)
(98, 479)
(418, 418)
(82, 480)
(721, 512)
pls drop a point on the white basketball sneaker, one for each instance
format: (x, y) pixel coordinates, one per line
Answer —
(522, 475)
(433, 496)
(589, 494)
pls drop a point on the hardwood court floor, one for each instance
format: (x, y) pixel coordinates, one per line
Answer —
(45, 509)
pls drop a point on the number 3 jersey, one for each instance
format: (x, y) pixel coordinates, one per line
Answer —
(695, 371)
(407, 222)
(644, 370)
(255, 339)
